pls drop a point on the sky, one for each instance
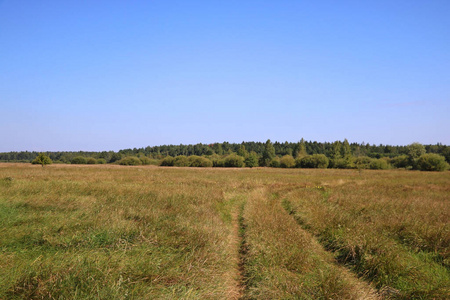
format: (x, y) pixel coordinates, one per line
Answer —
(110, 75)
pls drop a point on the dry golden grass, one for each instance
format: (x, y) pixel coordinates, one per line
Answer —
(114, 232)
(391, 228)
(284, 261)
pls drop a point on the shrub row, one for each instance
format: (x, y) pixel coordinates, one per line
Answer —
(81, 160)
(136, 161)
(126, 161)
(185, 161)
(426, 162)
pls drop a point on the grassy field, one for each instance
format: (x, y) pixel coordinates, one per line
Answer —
(114, 232)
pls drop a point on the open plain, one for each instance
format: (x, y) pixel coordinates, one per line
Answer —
(115, 232)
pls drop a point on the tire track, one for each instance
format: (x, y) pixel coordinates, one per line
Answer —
(363, 285)
(241, 227)
(239, 249)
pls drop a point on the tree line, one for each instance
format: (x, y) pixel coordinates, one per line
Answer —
(302, 154)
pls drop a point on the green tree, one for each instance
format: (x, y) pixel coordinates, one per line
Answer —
(346, 150)
(358, 151)
(414, 151)
(42, 159)
(346, 162)
(115, 157)
(219, 149)
(241, 151)
(209, 151)
(335, 155)
(301, 149)
(105, 155)
(336, 150)
(446, 153)
(268, 154)
(251, 160)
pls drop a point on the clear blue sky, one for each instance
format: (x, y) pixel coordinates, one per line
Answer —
(109, 75)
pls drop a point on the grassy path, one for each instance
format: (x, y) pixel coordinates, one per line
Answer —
(236, 283)
(284, 261)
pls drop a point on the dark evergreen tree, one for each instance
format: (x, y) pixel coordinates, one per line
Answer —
(268, 154)
(241, 151)
(301, 149)
(251, 160)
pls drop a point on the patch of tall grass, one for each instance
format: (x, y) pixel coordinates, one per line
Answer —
(112, 233)
(284, 261)
(391, 231)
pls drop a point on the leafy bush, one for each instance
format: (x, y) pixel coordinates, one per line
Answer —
(198, 161)
(115, 157)
(218, 162)
(153, 162)
(145, 160)
(287, 161)
(275, 163)
(362, 162)
(91, 161)
(401, 161)
(314, 161)
(130, 161)
(432, 162)
(379, 164)
(79, 160)
(181, 161)
(341, 163)
(167, 161)
(101, 161)
(234, 161)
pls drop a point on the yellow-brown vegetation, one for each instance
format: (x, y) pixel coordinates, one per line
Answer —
(116, 232)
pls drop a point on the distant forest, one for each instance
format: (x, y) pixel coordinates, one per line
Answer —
(339, 154)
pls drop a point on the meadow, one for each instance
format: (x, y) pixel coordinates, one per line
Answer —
(147, 232)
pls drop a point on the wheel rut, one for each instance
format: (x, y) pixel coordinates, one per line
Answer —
(239, 247)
